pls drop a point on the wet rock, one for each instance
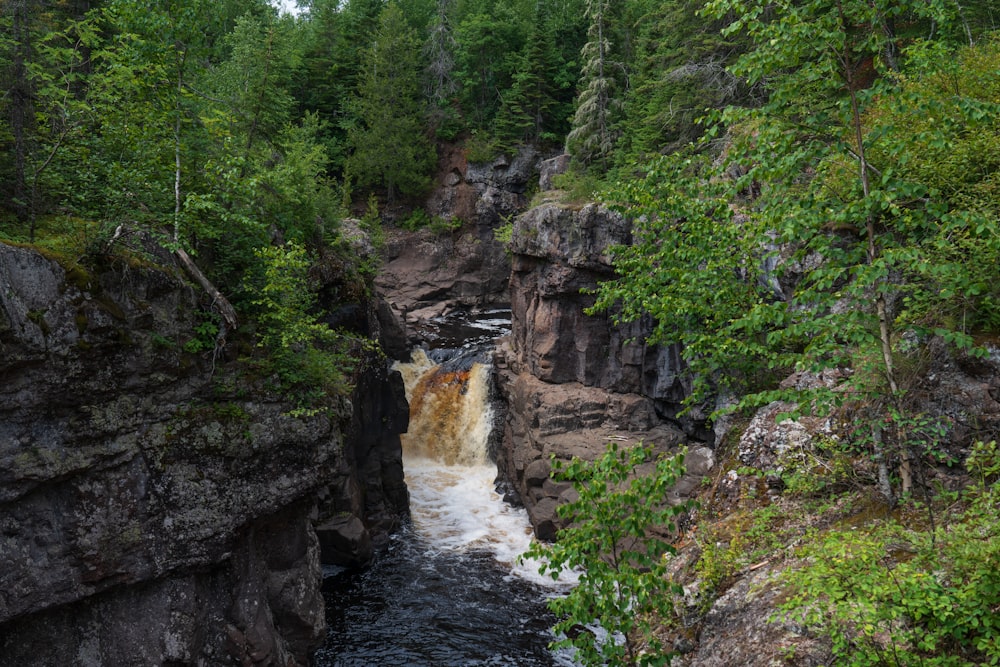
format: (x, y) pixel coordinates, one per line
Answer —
(545, 518)
(427, 275)
(345, 541)
(571, 420)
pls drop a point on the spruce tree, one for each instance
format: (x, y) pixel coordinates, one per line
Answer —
(389, 144)
(592, 139)
(527, 105)
(439, 49)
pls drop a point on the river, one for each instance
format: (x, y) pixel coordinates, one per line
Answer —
(450, 590)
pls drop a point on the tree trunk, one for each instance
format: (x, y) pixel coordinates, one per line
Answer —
(219, 302)
(177, 143)
(20, 107)
(872, 255)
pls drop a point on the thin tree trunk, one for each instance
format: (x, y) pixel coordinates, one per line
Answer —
(872, 252)
(219, 302)
(258, 108)
(177, 144)
(20, 107)
(884, 484)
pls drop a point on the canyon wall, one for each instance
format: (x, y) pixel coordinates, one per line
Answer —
(573, 382)
(428, 273)
(158, 504)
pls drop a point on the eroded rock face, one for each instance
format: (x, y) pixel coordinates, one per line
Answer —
(742, 628)
(156, 506)
(573, 382)
(427, 274)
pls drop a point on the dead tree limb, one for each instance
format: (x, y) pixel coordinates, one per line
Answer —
(219, 302)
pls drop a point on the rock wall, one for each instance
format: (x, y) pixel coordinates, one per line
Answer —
(572, 381)
(157, 505)
(426, 274)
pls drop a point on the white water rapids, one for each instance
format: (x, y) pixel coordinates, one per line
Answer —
(453, 502)
(450, 590)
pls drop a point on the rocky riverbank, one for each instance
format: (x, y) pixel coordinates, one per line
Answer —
(159, 505)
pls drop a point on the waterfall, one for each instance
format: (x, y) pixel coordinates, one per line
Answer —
(450, 413)
(450, 590)
(453, 501)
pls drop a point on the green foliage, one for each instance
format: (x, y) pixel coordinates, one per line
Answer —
(679, 73)
(594, 133)
(390, 147)
(823, 466)
(578, 186)
(309, 358)
(539, 102)
(204, 334)
(504, 233)
(371, 222)
(256, 78)
(481, 147)
(891, 595)
(695, 268)
(748, 536)
(842, 219)
(984, 464)
(614, 538)
(420, 219)
(488, 41)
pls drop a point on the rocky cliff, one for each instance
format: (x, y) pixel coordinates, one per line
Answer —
(572, 381)
(157, 503)
(428, 274)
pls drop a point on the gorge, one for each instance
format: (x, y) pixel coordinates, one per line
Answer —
(310, 321)
(140, 476)
(164, 507)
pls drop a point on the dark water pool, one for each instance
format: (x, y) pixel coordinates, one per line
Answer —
(419, 606)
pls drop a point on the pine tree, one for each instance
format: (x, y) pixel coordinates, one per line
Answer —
(527, 106)
(390, 147)
(678, 72)
(439, 50)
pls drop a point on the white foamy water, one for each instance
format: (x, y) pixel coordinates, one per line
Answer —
(453, 501)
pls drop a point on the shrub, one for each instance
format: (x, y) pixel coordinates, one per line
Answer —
(899, 596)
(308, 357)
(623, 585)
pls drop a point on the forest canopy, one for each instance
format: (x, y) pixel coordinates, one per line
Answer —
(226, 127)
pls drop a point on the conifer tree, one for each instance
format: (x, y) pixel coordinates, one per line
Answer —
(528, 104)
(439, 50)
(389, 145)
(592, 139)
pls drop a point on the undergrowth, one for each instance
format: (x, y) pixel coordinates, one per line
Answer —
(914, 585)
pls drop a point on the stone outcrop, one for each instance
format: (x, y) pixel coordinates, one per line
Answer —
(573, 382)
(741, 626)
(157, 504)
(428, 274)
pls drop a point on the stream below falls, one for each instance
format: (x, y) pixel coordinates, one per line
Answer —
(450, 590)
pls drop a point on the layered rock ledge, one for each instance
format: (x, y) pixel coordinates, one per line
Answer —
(573, 382)
(157, 506)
